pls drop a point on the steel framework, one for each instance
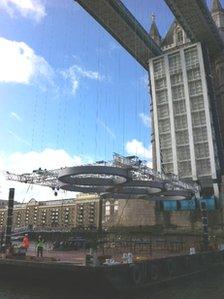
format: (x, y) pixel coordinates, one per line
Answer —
(122, 25)
(123, 177)
(193, 15)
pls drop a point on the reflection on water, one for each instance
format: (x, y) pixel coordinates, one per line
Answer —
(207, 286)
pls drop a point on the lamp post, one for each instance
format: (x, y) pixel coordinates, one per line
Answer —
(9, 218)
(204, 217)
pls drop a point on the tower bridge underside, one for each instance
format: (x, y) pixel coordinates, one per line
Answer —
(122, 25)
(196, 20)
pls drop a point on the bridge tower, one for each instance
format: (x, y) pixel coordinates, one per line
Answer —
(184, 142)
(155, 35)
(154, 32)
(218, 16)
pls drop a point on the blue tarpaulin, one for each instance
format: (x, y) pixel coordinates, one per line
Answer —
(169, 205)
(187, 205)
(210, 202)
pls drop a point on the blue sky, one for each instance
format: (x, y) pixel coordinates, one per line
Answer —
(69, 92)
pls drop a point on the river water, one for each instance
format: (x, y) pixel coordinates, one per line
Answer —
(207, 286)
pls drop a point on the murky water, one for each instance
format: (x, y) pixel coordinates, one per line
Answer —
(207, 286)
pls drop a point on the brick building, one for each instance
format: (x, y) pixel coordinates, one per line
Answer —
(83, 212)
(60, 215)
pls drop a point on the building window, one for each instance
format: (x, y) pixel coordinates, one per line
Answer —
(193, 74)
(178, 92)
(180, 122)
(200, 134)
(164, 126)
(184, 169)
(161, 97)
(183, 153)
(159, 67)
(107, 208)
(163, 111)
(198, 118)
(165, 141)
(182, 137)
(176, 79)
(174, 62)
(191, 57)
(179, 107)
(201, 150)
(160, 83)
(197, 103)
(167, 155)
(195, 88)
(203, 167)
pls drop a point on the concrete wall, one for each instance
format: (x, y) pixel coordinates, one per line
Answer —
(136, 212)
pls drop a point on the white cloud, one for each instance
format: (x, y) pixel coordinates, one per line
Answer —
(33, 9)
(27, 162)
(108, 130)
(145, 118)
(48, 158)
(75, 85)
(86, 74)
(15, 116)
(75, 73)
(136, 147)
(20, 64)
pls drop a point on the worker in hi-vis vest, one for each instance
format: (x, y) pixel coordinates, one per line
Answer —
(40, 247)
(26, 242)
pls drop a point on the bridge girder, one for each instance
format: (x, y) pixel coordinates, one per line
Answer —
(195, 18)
(122, 25)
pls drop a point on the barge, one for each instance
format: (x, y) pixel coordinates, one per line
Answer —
(117, 277)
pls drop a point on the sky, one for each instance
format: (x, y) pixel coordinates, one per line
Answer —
(69, 93)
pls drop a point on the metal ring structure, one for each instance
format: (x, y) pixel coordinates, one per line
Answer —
(176, 194)
(134, 188)
(117, 196)
(120, 183)
(140, 187)
(147, 197)
(93, 175)
(86, 189)
(96, 181)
